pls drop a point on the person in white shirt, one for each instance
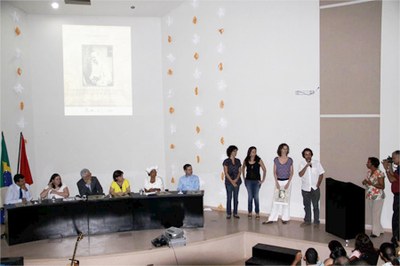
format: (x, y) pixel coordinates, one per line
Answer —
(311, 173)
(19, 192)
(153, 183)
(55, 189)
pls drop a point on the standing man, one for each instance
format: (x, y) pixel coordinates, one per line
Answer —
(311, 173)
(393, 176)
(188, 182)
(88, 184)
(19, 192)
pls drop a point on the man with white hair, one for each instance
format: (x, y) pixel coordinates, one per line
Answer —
(88, 184)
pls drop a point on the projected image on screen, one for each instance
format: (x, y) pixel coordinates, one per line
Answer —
(97, 63)
(97, 70)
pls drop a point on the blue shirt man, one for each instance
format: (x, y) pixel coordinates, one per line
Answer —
(188, 182)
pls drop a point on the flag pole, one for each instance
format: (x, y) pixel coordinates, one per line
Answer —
(19, 152)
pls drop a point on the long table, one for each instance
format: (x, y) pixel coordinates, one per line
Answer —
(91, 217)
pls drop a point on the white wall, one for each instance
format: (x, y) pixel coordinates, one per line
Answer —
(103, 144)
(11, 114)
(390, 93)
(272, 49)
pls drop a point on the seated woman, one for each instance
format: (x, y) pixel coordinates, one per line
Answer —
(337, 251)
(120, 186)
(153, 183)
(55, 189)
(364, 250)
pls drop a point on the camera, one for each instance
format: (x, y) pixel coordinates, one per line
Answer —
(389, 159)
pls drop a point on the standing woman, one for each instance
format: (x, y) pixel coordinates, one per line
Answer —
(283, 173)
(251, 172)
(55, 189)
(375, 184)
(232, 180)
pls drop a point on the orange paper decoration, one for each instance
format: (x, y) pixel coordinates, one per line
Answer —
(197, 129)
(220, 66)
(170, 72)
(172, 146)
(196, 91)
(196, 56)
(221, 30)
(171, 110)
(221, 104)
(172, 180)
(194, 20)
(19, 71)
(169, 38)
(222, 140)
(17, 31)
(222, 176)
(21, 106)
(198, 159)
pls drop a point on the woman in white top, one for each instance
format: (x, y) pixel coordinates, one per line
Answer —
(55, 189)
(153, 183)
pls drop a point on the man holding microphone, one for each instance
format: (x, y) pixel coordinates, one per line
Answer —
(311, 173)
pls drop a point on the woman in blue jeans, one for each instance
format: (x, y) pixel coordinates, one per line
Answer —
(251, 172)
(232, 181)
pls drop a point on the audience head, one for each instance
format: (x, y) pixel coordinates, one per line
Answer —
(118, 173)
(363, 243)
(343, 260)
(19, 179)
(55, 180)
(311, 256)
(388, 253)
(373, 162)
(396, 157)
(86, 174)
(188, 169)
(283, 149)
(231, 149)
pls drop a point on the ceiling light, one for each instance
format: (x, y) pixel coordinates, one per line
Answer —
(55, 5)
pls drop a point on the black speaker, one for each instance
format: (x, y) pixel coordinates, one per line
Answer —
(271, 255)
(12, 261)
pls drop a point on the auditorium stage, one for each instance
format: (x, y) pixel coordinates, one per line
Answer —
(230, 239)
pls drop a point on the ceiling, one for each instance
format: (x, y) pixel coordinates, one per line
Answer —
(143, 8)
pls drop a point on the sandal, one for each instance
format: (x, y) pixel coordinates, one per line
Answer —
(257, 216)
(249, 216)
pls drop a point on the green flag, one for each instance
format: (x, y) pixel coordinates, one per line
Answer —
(5, 178)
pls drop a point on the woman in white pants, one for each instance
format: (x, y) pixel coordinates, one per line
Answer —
(375, 184)
(283, 173)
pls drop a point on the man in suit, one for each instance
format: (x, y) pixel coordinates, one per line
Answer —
(88, 184)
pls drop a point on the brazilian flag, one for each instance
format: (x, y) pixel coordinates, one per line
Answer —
(5, 178)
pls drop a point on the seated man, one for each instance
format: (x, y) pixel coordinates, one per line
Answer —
(19, 191)
(88, 184)
(188, 182)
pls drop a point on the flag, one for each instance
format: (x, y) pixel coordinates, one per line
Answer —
(5, 179)
(23, 164)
